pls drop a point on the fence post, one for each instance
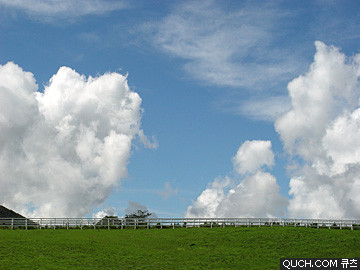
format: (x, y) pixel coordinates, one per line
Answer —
(147, 225)
(108, 223)
(26, 224)
(40, 223)
(54, 223)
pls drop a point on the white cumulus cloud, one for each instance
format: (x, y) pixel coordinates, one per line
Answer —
(109, 211)
(255, 195)
(322, 129)
(64, 150)
(208, 202)
(252, 155)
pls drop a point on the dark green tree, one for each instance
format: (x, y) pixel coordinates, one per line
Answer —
(139, 214)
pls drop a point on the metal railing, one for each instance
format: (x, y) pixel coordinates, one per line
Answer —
(124, 223)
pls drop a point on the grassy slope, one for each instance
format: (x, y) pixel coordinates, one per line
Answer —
(192, 248)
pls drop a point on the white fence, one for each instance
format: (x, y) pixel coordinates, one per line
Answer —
(123, 223)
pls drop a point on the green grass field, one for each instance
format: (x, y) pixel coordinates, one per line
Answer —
(192, 248)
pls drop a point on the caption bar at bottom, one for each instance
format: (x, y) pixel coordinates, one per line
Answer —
(312, 263)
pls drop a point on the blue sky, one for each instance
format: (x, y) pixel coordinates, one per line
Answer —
(211, 75)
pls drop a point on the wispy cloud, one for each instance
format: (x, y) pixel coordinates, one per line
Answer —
(264, 108)
(335, 24)
(225, 47)
(89, 37)
(168, 191)
(65, 9)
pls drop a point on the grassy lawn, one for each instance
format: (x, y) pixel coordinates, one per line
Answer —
(192, 248)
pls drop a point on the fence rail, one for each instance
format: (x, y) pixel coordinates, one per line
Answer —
(123, 223)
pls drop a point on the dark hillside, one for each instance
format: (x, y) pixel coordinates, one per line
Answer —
(7, 213)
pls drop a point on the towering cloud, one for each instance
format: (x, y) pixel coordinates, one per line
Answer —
(63, 151)
(321, 134)
(323, 130)
(252, 193)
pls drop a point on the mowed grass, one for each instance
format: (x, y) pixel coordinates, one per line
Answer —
(192, 248)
